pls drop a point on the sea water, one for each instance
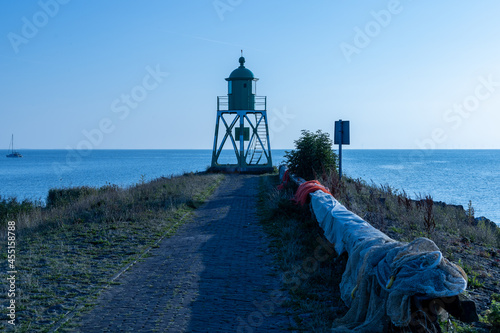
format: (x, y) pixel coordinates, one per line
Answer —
(452, 176)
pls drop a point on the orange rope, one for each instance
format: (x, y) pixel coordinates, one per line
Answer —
(284, 181)
(305, 189)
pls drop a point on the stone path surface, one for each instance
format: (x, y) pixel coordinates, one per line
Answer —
(214, 275)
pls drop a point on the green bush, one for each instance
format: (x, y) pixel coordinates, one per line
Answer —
(59, 197)
(11, 207)
(493, 314)
(313, 154)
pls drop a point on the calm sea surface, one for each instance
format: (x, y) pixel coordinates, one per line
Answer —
(453, 176)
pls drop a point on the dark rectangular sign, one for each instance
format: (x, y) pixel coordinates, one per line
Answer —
(246, 133)
(342, 132)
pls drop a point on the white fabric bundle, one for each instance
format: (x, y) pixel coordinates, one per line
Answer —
(382, 274)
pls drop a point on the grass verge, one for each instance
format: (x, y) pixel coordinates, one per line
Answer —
(67, 252)
(311, 271)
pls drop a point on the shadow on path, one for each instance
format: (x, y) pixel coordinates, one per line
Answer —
(214, 275)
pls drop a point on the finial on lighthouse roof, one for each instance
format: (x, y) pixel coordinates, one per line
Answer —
(242, 60)
(241, 73)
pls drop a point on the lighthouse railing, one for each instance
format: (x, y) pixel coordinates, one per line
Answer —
(222, 103)
(260, 103)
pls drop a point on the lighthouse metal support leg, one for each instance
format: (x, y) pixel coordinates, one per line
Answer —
(242, 142)
(268, 140)
(214, 152)
(228, 134)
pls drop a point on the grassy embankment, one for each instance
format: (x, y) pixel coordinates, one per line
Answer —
(311, 272)
(464, 240)
(68, 251)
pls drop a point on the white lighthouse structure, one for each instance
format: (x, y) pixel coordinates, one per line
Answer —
(241, 141)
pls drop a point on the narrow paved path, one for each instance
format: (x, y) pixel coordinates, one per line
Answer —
(214, 275)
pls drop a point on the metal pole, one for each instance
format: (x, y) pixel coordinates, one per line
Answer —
(340, 148)
(340, 160)
(242, 142)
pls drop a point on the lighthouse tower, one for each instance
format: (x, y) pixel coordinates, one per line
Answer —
(241, 142)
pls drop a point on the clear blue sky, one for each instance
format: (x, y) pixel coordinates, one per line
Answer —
(405, 73)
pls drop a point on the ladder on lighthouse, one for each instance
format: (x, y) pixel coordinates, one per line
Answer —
(257, 147)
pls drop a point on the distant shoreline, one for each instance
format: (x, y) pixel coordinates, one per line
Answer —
(43, 203)
(451, 176)
(274, 149)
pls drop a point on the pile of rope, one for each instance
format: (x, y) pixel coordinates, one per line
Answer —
(306, 188)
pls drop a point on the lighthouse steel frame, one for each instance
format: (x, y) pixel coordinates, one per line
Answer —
(243, 112)
(252, 157)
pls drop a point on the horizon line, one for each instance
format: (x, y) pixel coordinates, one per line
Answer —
(343, 146)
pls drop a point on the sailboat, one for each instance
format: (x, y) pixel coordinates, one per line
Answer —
(11, 149)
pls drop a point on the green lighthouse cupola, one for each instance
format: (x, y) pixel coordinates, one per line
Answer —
(241, 88)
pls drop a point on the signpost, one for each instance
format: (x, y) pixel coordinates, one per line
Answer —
(341, 137)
